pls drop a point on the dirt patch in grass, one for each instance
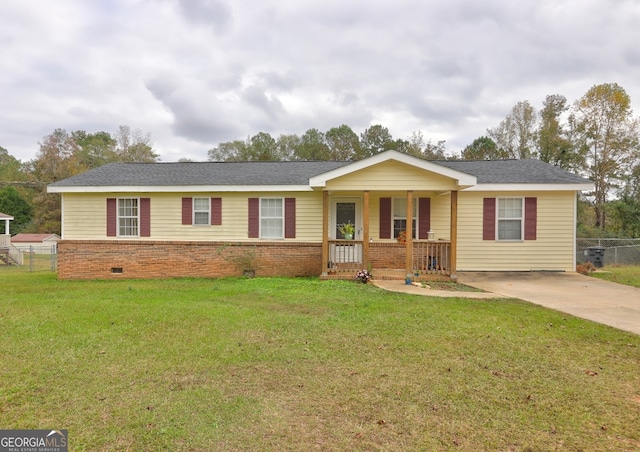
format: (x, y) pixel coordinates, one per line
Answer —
(451, 286)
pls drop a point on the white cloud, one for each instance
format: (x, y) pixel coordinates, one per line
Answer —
(195, 73)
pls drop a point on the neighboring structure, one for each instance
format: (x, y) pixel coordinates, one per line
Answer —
(8, 254)
(139, 220)
(38, 243)
(6, 219)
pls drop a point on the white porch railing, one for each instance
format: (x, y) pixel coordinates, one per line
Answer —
(345, 256)
(5, 241)
(432, 257)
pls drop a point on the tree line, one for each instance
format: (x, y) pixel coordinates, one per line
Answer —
(596, 136)
(338, 144)
(23, 185)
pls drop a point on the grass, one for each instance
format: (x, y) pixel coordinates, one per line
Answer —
(300, 364)
(623, 274)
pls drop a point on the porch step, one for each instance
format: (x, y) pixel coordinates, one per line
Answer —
(4, 257)
(387, 275)
(399, 275)
(382, 274)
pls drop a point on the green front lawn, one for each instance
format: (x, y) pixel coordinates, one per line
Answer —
(623, 274)
(300, 364)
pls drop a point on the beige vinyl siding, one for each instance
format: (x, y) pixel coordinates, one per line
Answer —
(441, 216)
(392, 176)
(552, 250)
(166, 216)
(84, 216)
(308, 217)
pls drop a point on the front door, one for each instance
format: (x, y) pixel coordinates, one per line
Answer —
(346, 210)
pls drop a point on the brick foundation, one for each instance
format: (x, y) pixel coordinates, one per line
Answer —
(107, 259)
(387, 255)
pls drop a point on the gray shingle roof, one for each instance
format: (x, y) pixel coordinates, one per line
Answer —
(526, 171)
(296, 173)
(203, 173)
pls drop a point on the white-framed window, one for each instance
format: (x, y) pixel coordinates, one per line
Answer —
(272, 218)
(201, 211)
(510, 218)
(399, 216)
(128, 217)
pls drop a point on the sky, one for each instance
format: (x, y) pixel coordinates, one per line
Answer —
(195, 73)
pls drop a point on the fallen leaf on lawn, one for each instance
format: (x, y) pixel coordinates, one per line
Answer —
(591, 373)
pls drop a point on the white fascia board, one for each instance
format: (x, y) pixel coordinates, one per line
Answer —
(464, 179)
(180, 189)
(532, 187)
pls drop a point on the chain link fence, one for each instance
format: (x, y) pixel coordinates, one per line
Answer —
(39, 258)
(616, 251)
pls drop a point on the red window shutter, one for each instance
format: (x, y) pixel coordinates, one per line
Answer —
(530, 218)
(385, 218)
(216, 211)
(424, 217)
(290, 218)
(489, 219)
(145, 217)
(112, 217)
(254, 218)
(187, 210)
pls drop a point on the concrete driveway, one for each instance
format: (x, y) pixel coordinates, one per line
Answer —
(590, 298)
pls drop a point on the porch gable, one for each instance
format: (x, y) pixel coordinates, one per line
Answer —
(392, 176)
(400, 171)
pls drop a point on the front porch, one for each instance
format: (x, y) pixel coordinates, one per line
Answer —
(390, 257)
(430, 260)
(404, 211)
